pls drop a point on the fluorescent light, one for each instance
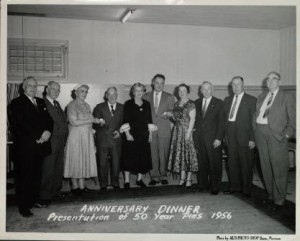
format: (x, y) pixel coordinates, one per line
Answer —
(127, 15)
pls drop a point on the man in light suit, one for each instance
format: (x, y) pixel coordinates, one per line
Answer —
(32, 127)
(207, 136)
(275, 123)
(161, 104)
(52, 175)
(108, 141)
(238, 113)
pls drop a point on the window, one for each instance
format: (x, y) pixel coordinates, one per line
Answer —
(43, 59)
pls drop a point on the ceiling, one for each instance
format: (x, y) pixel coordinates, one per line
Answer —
(256, 17)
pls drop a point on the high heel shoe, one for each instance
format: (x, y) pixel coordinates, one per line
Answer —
(181, 183)
(188, 184)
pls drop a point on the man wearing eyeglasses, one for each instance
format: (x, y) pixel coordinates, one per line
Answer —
(275, 124)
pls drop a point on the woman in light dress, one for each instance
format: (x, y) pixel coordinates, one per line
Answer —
(80, 157)
(182, 157)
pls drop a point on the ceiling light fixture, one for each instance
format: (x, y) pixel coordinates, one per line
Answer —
(127, 15)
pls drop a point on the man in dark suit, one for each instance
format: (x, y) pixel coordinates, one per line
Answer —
(238, 113)
(53, 164)
(275, 123)
(32, 126)
(207, 139)
(108, 141)
(161, 104)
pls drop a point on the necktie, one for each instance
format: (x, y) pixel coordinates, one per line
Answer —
(268, 106)
(56, 105)
(233, 108)
(204, 108)
(156, 102)
(112, 110)
(34, 102)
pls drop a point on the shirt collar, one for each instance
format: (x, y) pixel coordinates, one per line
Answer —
(29, 97)
(275, 92)
(114, 105)
(50, 99)
(208, 99)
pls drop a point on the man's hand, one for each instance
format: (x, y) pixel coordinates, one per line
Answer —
(216, 143)
(45, 137)
(116, 135)
(251, 144)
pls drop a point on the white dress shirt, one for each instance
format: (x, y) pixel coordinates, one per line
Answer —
(114, 106)
(207, 102)
(239, 98)
(50, 100)
(158, 96)
(260, 119)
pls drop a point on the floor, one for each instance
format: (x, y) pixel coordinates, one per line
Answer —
(221, 214)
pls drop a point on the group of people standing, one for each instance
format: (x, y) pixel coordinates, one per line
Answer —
(151, 133)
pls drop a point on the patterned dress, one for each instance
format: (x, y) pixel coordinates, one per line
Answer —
(80, 152)
(182, 153)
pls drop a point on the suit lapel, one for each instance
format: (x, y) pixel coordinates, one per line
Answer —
(30, 104)
(52, 110)
(210, 107)
(163, 99)
(107, 110)
(277, 101)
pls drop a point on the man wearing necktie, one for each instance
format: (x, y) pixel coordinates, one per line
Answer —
(275, 123)
(108, 141)
(52, 175)
(31, 126)
(238, 113)
(207, 136)
(162, 103)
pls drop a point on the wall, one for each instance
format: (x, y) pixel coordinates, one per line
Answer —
(108, 52)
(288, 55)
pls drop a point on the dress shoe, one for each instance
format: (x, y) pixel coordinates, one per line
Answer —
(181, 183)
(164, 182)
(246, 195)
(59, 196)
(277, 208)
(25, 212)
(267, 201)
(126, 186)
(214, 192)
(76, 191)
(103, 189)
(141, 183)
(188, 184)
(116, 187)
(153, 182)
(41, 204)
(85, 190)
(230, 192)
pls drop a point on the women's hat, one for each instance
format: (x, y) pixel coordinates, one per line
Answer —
(77, 86)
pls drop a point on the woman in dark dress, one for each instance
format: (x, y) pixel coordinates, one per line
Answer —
(137, 128)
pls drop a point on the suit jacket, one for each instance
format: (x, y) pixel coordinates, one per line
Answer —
(282, 114)
(104, 134)
(211, 126)
(244, 118)
(166, 103)
(29, 123)
(60, 123)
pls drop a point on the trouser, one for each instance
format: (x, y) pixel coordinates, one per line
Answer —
(109, 156)
(240, 163)
(274, 160)
(159, 153)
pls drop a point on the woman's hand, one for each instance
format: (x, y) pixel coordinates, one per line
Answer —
(129, 137)
(150, 137)
(187, 136)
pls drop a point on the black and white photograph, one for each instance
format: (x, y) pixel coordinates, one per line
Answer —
(148, 120)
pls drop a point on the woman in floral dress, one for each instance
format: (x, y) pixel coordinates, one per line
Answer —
(182, 158)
